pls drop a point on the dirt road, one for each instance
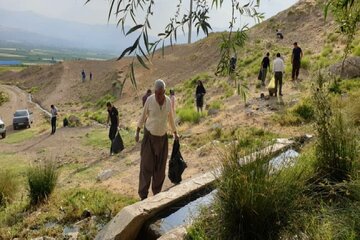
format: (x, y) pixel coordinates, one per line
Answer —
(18, 99)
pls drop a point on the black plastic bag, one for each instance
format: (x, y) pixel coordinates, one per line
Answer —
(117, 144)
(177, 164)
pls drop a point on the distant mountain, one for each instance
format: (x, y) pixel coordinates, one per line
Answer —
(30, 28)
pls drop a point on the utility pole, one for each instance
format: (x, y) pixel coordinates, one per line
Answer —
(190, 21)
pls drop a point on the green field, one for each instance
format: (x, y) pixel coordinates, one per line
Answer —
(30, 56)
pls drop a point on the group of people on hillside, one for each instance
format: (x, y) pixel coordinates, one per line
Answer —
(279, 68)
(83, 76)
(159, 111)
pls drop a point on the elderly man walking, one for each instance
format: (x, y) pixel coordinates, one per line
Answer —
(154, 147)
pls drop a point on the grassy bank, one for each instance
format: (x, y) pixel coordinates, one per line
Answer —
(317, 198)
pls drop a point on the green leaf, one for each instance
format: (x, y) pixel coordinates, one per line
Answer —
(136, 27)
(141, 61)
(132, 75)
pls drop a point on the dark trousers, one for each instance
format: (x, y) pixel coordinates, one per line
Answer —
(263, 75)
(154, 152)
(278, 82)
(53, 125)
(295, 69)
(112, 134)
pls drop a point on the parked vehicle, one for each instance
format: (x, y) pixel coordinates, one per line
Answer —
(2, 129)
(22, 118)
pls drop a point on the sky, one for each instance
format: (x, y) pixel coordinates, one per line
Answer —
(96, 11)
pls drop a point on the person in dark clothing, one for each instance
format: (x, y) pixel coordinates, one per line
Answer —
(232, 64)
(296, 57)
(83, 75)
(200, 92)
(279, 34)
(265, 64)
(53, 118)
(113, 119)
(147, 94)
(91, 76)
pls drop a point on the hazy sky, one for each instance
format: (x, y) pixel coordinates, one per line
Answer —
(96, 11)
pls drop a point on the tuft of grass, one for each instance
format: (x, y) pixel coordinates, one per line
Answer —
(216, 105)
(33, 90)
(3, 98)
(332, 37)
(101, 103)
(99, 116)
(356, 51)
(8, 187)
(188, 115)
(305, 63)
(327, 50)
(250, 203)
(302, 112)
(42, 180)
(336, 146)
(305, 110)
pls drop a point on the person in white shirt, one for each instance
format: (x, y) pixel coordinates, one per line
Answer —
(279, 69)
(157, 112)
(53, 118)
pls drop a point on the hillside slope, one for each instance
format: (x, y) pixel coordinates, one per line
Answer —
(303, 22)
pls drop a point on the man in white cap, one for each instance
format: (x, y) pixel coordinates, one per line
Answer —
(154, 147)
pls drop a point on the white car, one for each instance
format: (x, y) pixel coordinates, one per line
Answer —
(2, 129)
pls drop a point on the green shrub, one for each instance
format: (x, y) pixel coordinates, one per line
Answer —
(305, 110)
(8, 187)
(356, 51)
(42, 180)
(332, 37)
(350, 85)
(250, 203)
(216, 105)
(336, 147)
(99, 116)
(305, 63)
(302, 112)
(103, 100)
(188, 115)
(327, 50)
(335, 87)
(3, 98)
